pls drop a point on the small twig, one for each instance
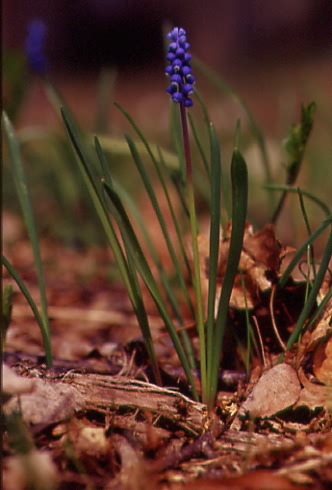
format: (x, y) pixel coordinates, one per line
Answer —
(274, 324)
(260, 339)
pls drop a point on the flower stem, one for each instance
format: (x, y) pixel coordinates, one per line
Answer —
(194, 233)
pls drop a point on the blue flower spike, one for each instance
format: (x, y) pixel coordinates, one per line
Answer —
(179, 70)
(34, 46)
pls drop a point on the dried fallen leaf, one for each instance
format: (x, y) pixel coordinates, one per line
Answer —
(322, 362)
(322, 330)
(277, 389)
(47, 404)
(259, 263)
(313, 395)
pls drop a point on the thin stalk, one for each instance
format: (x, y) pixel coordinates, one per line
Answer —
(294, 190)
(194, 233)
(310, 249)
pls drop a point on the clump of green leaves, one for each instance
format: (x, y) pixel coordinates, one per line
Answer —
(26, 206)
(226, 199)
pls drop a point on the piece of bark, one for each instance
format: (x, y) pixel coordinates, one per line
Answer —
(113, 392)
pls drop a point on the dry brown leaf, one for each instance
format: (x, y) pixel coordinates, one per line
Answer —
(313, 395)
(319, 340)
(323, 329)
(259, 262)
(322, 362)
(277, 389)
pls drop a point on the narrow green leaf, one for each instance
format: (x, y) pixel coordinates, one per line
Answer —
(295, 190)
(119, 147)
(102, 212)
(148, 186)
(7, 306)
(147, 276)
(304, 315)
(25, 202)
(215, 184)
(239, 177)
(320, 310)
(199, 145)
(152, 249)
(43, 329)
(103, 162)
(175, 219)
(301, 250)
(224, 187)
(310, 249)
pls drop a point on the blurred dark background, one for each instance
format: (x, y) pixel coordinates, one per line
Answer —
(85, 34)
(274, 54)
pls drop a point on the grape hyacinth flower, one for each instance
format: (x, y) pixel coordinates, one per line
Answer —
(179, 69)
(180, 88)
(34, 46)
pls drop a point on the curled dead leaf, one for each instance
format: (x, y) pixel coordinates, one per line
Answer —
(259, 263)
(322, 362)
(319, 340)
(312, 395)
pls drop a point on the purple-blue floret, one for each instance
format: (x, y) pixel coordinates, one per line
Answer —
(179, 69)
(34, 46)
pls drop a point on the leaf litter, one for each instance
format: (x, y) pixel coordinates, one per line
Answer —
(95, 421)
